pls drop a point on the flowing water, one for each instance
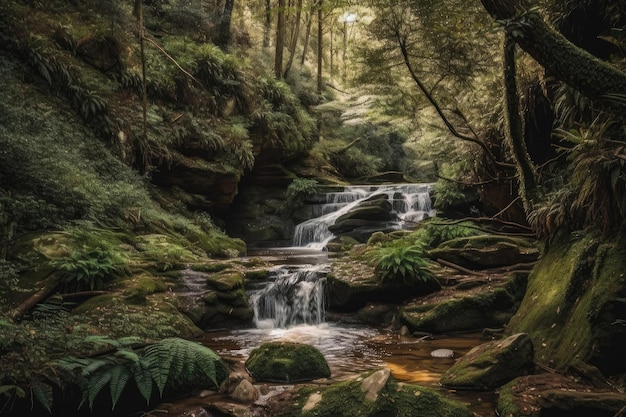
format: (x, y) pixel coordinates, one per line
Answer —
(410, 204)
(290, 305)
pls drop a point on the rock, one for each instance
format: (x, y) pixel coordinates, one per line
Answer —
(442, 353)
(492, 305)
(287, 362)
(556, 394)
(351, 285)
(245, 392)
(102, 52)
(575, 304)
(378, 394)
(491, 364)
(373, 384)
(486, 251)
(312, 401)
(232, 410)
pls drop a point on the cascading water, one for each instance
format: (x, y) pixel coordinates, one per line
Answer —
(294, 296)
(410, 203)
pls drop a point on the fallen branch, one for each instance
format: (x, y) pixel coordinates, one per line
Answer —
(459, 268)
(32, 301)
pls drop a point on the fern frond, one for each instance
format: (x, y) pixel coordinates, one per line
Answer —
(42, 392)
(97, 384)
(143, 378)
(159, 357)
(120, 375)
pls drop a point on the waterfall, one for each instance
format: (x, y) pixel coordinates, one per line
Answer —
(294, 296)
(410, 203)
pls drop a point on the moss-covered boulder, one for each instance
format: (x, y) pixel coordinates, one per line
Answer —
(352, 283)
(487, 251)
(575, 307)
(491, 364)
(287, 362)
(555, 394)
(217, 299)
(375, 395)
(489, 304)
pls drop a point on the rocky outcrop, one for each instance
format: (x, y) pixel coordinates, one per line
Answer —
(556, 394)
(472, 304)
(370, 216)
(492, 364)
(486, 251)
(574, 308)
(287, 362)
(352, 284)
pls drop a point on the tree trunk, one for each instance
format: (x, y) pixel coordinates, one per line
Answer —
(307, 33)
(564, 60)
(294, 38)
(515, 128)
(280, 40)
(267, 25)
(320, 38)
(223, 29)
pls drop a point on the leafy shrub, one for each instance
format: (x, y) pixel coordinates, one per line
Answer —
(401, 264)
(173, 363)
(438, 231)
(298, 191)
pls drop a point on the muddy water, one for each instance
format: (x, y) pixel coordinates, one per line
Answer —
(351, 350)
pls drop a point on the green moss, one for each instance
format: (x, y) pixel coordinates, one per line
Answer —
(212, 267)
(560, 330)
(289, 362)
(144, 286)
(226, 281)
(347, 399)
(257, 275)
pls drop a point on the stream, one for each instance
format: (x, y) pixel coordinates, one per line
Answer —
(290, 305)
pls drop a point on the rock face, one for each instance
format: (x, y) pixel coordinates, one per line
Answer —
(287, 362)
(491, 364)
(378, 394)
(370, 216)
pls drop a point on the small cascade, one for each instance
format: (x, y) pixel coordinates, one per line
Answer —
(294, 296)
(410, 204)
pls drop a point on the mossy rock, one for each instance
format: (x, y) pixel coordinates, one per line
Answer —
(141, 287)
(226, 281)
(287, 362)
(112, 315)
(492, 364)
(486, 251)
(466, 311)
(349, 398)
(574, 303)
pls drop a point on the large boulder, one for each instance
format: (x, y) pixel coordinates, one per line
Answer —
(574, 308)
(492, 364)
(558, 395)
(350, 285)
(376, 394)
(287, 362)
(486, 303)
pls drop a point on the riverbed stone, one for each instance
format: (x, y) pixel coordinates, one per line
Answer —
(373, 384)
(287, 362)
(492, 364)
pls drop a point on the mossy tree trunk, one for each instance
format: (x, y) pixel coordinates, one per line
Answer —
(563, 59)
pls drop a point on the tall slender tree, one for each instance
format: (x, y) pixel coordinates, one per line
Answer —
(280, 39)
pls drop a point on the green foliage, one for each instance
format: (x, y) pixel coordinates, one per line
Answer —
(450, 193)
(398, 263)
(298, 191)
(96, 259)
(438, 231)
(172, 363)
